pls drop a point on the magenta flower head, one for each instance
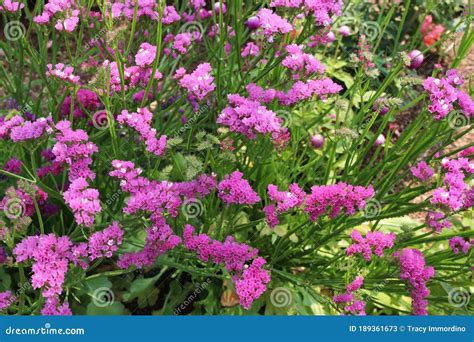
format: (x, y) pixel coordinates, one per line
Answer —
(416, 59)
(380, 140)
(344, 30)
(330, 36)
(252, 23)
(217, 8)
(317, 141)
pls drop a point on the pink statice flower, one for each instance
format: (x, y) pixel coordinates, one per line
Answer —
(354, 307)
(202, 186)
(160, 239)
(31, 130)
(458, 244)
(141, 121)
(85, 100)
(11, 6)
(146, 8)
(252, 283)
(301, 91)
(235, 189)
(331, 199)
(66, 13)
(7, 125)
(83, 201)
(321, 9)
(467, 152)
(62, 72)
(156, 198)
(250, 49)
(50, 256)
(183, 41)
(454, 194)
(105, 242)
(199, 83)
(297, 61)
(374, 242)
(414, 270)
(249, 117)
(444, 94)
(53, 307)
(6, 299)
(437, 220)
(422, 171)
(285, 201)
(145, 55)
(170, 15)
(74, 148)
(272, 24)
(13, 165)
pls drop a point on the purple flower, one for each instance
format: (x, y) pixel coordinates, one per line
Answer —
(458, 242)
(331, 199)
(235, 189)
(414, 270)
(422, 171)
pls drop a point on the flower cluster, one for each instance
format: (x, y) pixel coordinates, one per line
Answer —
(457, 243)
(250, 281)
(199, 83)
(11, 6)
(85, 100)
(63, 72)
(332, 199)
(422, 171)
(437, 220)
(414, 270)
(444, 94)
(354, 307)
(159, 240)
(6, 299)
(431, 33)
(66, 13)
(51, 256)
(18, 129)
(455, 192)
(74, 148)
(272, 24)
(249, 117)
(135, 75)
(141, 121)
(374, 242)
(235, 189)
(285, 201)
(297, 61)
